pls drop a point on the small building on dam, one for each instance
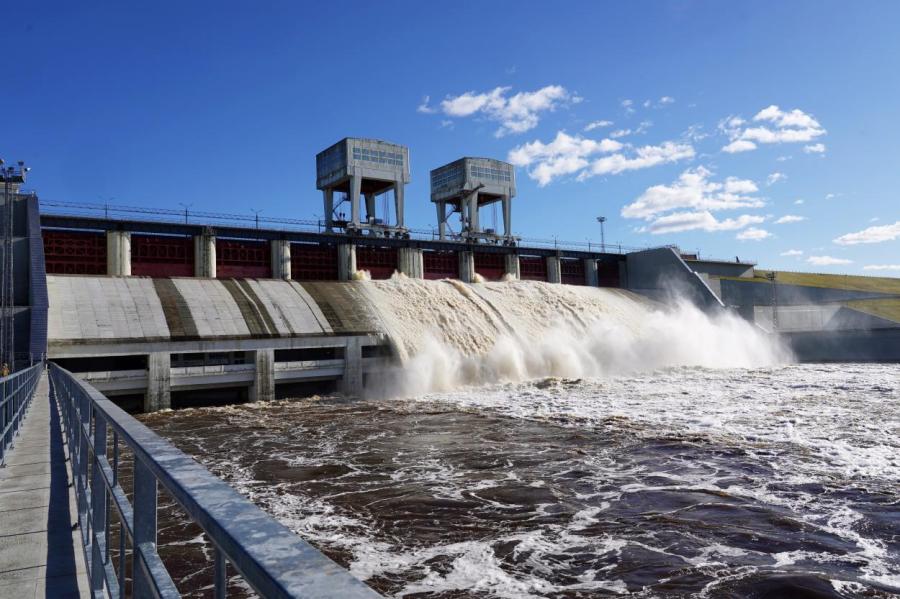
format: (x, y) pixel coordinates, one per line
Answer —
(161, 311)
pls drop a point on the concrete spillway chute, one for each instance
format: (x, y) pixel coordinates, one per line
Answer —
(467, 185)
(363, 169)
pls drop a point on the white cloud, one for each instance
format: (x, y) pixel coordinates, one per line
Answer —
(689, 202)
(424, 107)
(789, 218)
(739, 145)
(792, 253)
(680, 222)
(827, 261)
(516, 113)
(875, 234)
(783, 158)
(694, 190)
(814, 149)
(620, 133)
(881, 267)
(874, 219)
(771, 126)
(667, 100)
(799, 202)
(641, 128)
(628, 105)
(597, 125)
(830, 196)
(570, 154)
(775, 178)
(752, 234)
(641, 158)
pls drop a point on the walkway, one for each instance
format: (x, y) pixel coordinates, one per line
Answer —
(40, 554)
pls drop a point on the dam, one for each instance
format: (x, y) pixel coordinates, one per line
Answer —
(458, 412)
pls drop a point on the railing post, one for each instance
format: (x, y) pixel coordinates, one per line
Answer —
(99, 511)
(144, 540)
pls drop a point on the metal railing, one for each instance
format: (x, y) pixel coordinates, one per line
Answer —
(16, 391)
(269, 557)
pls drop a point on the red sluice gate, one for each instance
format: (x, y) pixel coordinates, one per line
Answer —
(380, 262)
(532, 268)
(74, 252)
(243, 259)
(162, 256)
(312, 262)
(440, 265)
(491, 267)
(571, 272)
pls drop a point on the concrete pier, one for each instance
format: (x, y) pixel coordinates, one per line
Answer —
(410, 262)
(346, 261)
(118, 253)
(40, 554)
(466, 267)
(263, 387)
(554, 274)
(158, 395)
(281, 259)
(205, 255)
(512, 265)
(352, 381)
(591, 273)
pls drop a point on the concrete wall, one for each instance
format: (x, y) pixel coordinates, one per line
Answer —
(661, 274)
(881, 345)
(718, 268)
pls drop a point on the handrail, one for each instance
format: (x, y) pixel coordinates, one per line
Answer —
(16, 391)
(271, 559)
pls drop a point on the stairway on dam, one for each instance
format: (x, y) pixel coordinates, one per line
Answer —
(40, 553)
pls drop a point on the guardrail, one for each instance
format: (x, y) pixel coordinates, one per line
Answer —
(270, 558)
(16, 391)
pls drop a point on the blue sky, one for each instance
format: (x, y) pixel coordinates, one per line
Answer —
(224, 105)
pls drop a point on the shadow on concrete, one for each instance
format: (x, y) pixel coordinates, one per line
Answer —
(61, 577)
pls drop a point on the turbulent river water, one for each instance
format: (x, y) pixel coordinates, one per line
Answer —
(636, 452)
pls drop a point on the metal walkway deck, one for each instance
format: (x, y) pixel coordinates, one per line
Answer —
(40, 554)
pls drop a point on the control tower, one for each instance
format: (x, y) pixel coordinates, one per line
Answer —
(367, 168)
(466, 185)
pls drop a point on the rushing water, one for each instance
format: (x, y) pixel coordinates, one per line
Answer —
(679, 482)
(549, 441)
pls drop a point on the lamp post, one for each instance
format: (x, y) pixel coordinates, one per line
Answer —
(185, 206)
(12, 177)
(601, 220)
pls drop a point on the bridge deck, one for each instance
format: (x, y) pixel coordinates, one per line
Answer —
(40, 554)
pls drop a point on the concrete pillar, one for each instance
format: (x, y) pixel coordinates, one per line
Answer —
(281, 259)
(398, 202)
(473, 213)
(507, 216)
(466, 267)
(346, 261)
(263, 387)
(355, 187)
(158, 395)
(591, 278)
(512, 265)
(410, 262)
(205, 255)
(118, 253)
(554, 275)
(370, 207)
(328, 196)
(352, 381)
(441, 219)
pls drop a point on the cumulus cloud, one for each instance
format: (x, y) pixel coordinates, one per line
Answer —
(516, 113)
(694, 190)
(771, 126)
(775, 178)
(814, 149)
(752, 234)
(571, 154)
(667, 100)
(689, 202)
(799, 202)
(789, 218)
(597, 125)
(425, 107)
(877, 234)
(881, 267)
(827, 261)
(628, 105)
(792, 253)
(641, 128)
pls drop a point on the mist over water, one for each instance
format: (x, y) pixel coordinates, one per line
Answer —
(544, 441)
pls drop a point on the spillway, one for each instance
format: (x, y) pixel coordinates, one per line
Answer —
(447, 333)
